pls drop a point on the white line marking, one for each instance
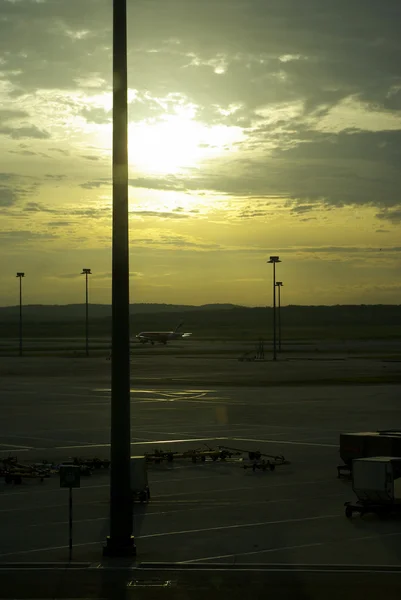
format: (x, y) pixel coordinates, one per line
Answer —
(295, 443)
(240, 526)
(13, 446)
(189, 531)
(195, 560)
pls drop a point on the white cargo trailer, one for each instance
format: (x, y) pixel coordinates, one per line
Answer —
(376, 482)
(139, 479)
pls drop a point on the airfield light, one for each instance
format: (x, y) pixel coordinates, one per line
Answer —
(86, 272)
(120, 542)
(273, 260)
(279, 285)
(20, 276)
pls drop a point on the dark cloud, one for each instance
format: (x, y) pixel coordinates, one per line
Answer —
(7, 197)
(11, 115)
(55, 176)
(23, 152)
(97, 115)
(88, 157)
(16, 236)
(161, 183)
(91, 185)
(160, 215)
(61, 151)
(29, 131)
(393, 215)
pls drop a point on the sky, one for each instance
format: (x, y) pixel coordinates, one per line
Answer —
(256, 128)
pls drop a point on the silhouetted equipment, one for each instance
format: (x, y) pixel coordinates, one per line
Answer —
(366, 444)
(251, 355)
(260, 354)
(195, 454)
(139, 479)
(376, 482)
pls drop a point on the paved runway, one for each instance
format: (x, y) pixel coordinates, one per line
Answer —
(207, 512)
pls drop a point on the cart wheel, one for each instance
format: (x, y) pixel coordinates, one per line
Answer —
(348, 512)
(8, 478)
(272, 467)
(203, 458)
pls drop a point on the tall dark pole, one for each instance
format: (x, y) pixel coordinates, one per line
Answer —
(121, 541)
(20, 276)
(279, 286)
(274, 260)
(274, 313)
(86, 272)
(86, 315)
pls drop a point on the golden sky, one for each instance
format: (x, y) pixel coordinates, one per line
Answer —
(256, 129)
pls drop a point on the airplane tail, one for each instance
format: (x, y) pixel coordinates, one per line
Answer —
(178, 326)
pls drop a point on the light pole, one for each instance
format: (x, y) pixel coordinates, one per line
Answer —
(279, 285)
(274, 260)
(20, 276)
(121, 541)
(86, 272)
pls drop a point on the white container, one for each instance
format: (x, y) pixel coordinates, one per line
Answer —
(377, 479)
(139, 474)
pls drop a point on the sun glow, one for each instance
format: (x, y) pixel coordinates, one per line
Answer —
(176, 142)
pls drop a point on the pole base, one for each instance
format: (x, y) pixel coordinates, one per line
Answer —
(118, 547)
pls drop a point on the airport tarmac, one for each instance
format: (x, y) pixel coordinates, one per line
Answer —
(198, 513)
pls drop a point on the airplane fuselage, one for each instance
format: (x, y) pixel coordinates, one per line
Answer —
(160, 336)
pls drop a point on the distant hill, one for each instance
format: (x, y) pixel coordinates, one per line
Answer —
(68, 312)
(211, 321)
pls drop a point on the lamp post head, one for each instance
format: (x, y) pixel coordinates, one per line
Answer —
(274, 259)
(279, 283)
(20, 274)
(86, 272)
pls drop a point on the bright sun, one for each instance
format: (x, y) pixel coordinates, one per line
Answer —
(175, 143)
(172, 143)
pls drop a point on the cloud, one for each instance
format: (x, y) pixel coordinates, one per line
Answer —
(159, 214)
(20, 236)
(91, 185)
(60, 150)
(7, 197)
(88, 157)
(160, 183)
(29, 131)
(390, 214)
(11, 115)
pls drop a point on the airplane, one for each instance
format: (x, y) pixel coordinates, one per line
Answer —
(161, 336)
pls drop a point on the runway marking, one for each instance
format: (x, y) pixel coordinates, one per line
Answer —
(13, 446)
(205, 439)
(239, 526)
(183, 532)
(295, 443)
(160, 481)
(328, 543)
(48, 549)
(195, 560)
(201, 507)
